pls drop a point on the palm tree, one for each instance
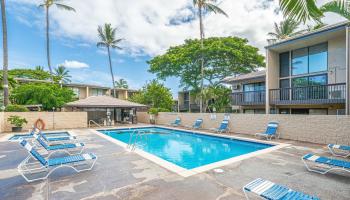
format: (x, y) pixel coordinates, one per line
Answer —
(303, 10)
(205, 6)
(46, 5)
(62, 74)
(285, 29)
(107, 39)
(39, 68)
(121, 84)
(5, 53)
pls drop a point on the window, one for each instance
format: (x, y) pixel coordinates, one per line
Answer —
(254, 92)
(301, 91)
(76, 92)
(308, 60)
(284, 64)
(254, 87)
(318, 61)
(96, 92)
(300, 61)
(284, 93)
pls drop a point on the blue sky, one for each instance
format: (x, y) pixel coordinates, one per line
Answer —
(147, 27)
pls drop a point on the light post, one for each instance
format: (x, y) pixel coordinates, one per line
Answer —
(53, 117)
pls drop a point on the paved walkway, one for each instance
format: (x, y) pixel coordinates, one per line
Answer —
(123, 175)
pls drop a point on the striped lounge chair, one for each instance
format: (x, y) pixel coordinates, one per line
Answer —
(324, 165)
(34, 171)
(56, 138)
(224, 127)
(339, 150)
(197, 124)
(271, 131)
(67, 147)
(177, 122)
(272, 191)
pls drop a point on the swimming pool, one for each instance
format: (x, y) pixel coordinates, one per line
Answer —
(187, 149)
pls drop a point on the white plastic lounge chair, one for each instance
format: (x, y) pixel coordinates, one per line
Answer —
(339, 150)
(324, 165)
(67, 147)
(272, 191)
(224, 127)
(177, 122)
(271, 131)
(44, 167)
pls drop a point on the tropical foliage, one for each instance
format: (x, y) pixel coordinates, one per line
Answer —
(155, 95)
(62, 75)
(223, 57)
(49, 95)
(16, 108)
(29, 74)
(285, 29)
(46, 4)
(121, 83)
(303, 10)
(106, 34)
(17, 121)
(205, 6)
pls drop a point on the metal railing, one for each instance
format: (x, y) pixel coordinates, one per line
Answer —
(248, 98)
(320, 94)
(93, 122)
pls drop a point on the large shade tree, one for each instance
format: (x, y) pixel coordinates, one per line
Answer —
(47, 4)
(155, 95)
(223, 56)
(303, 10)
(5, 54)
(108, 40)
(205, 6)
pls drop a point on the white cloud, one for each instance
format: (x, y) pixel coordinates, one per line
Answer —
(150, 27)
(74, 64)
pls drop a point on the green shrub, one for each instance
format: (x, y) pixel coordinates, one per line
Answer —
(155, 111)
(17, 121)
(16, 108)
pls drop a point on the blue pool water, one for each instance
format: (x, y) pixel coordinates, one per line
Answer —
(187, 149)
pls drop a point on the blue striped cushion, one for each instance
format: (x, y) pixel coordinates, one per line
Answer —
(294, 195)
(70, 159)
(329, 161)
(341, 147)
(64, 146)
(32, 151)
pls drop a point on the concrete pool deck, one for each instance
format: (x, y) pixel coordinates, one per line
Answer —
(119, 174)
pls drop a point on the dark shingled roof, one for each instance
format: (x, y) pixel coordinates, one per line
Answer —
(252, 75)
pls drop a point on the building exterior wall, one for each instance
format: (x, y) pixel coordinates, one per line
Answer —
(272, 74)
(337, 60)
(52, 120)
(322, 129)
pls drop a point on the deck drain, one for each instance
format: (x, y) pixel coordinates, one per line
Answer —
(219, 171)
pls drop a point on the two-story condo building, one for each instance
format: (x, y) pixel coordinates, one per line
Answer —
(248, 92)
(305, 74)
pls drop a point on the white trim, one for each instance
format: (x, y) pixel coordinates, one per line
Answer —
(186, 172)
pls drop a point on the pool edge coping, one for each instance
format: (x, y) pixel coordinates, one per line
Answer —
(190, 172)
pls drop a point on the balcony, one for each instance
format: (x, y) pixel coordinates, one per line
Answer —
(320, 94)
(187, 107)
(248, 98)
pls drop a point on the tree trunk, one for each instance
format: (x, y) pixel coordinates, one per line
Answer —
(48, 42)
(111, 69)
(5, 53)
(201, 29)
